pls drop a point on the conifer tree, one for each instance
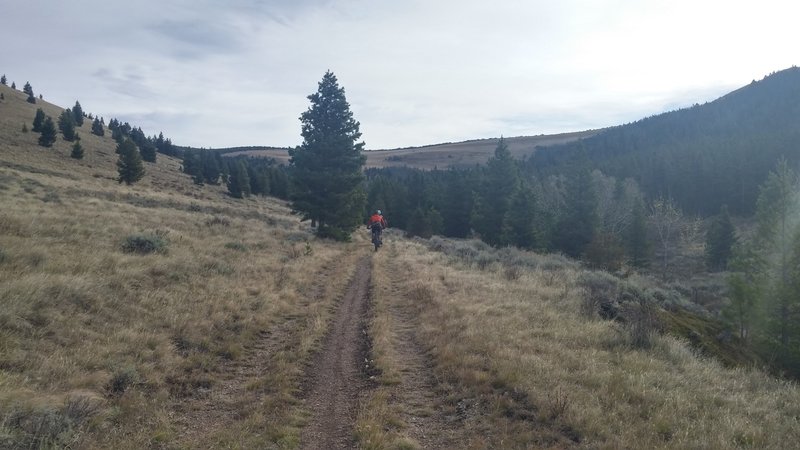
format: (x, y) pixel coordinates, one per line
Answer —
(776, 209)
(520, 223)
(493, 199)
(327, 167)
(578, 224)
(4, 80)
(29, 90)
(77, 113)
(720, 239)
(97, 128)
(13, 85)
(148, 151)
(129, 164)
(24, 128)
(66, 123)
(38, 120)
(48, 130)
(238, 181)
(77, 149)
(637, 244)
(2, 96)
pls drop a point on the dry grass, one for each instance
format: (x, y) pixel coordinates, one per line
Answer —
(528, 369)
(443, 156)
(100, 347)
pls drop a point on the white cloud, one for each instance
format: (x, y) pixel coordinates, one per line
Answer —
(237, 73)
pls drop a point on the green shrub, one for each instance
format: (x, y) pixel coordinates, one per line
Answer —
(145, 243)
(238, 246)
(122, 379)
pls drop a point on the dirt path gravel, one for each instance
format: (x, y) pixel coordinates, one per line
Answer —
(337, 378)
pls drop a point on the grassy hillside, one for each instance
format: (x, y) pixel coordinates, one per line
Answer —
(102, 347)
(442, 156)
(206, 341)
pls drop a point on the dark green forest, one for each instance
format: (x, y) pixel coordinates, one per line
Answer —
(704, 156)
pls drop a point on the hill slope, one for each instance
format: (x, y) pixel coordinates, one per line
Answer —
(703, 156)
(442, 156)
(214, 339)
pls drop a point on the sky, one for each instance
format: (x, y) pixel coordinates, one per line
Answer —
(231, 73)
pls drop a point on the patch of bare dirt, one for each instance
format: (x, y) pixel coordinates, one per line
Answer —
(338, 375)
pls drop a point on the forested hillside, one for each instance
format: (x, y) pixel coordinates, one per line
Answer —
(703, 156)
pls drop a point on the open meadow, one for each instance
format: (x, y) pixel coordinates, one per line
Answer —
(170, 315)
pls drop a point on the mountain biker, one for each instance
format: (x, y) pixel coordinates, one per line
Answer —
(377, 223)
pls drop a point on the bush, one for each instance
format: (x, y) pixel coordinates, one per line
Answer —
(122, 379)
(601, 291)
(145, 243)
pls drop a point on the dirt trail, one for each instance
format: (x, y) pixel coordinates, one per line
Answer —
(337, 377)
(207, 411)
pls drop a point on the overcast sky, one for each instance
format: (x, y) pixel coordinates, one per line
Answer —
(237, 72)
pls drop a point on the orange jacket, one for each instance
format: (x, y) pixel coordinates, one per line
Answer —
(377, 218)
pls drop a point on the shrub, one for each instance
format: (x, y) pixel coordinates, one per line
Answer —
(600, 295)
(122, 379)
(217, 220)
(145, 243)
(238, 246)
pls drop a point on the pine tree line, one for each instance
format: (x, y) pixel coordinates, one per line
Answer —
(242, 176)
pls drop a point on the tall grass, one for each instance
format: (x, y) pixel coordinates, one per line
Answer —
(531, 369)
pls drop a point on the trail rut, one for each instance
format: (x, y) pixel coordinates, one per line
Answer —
(337, 378)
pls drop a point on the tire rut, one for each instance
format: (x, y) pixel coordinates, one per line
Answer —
(338, 378)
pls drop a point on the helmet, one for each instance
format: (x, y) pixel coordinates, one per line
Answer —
(378, 211)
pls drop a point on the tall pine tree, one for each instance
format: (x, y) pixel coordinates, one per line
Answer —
(129, 164)
(326, 168)
(77, 114)
(720, 239)
(48, 136)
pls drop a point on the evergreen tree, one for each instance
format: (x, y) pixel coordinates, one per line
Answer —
(457, 205)
(327, 167)
(29, 90)
(638, 246)
(239, 182)
(77, 113)
(720, 239)
(776, 211)
(24, 128)
(745, 289)
(13, 85)
(577, 226)
(48, 130)
(520, 225)
(500, 184)
(211, 168)
(66, 123)
(38, 120)
(129, 164)
(4, 80)
(97, 128)
(2, 96)
(77, 149)
(148, 151)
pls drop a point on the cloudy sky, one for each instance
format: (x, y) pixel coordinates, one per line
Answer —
(230, 73)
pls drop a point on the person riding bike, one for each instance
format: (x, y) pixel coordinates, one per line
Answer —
(376, 224)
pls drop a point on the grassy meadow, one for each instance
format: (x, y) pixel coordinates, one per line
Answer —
(169, 315)
(124, 306)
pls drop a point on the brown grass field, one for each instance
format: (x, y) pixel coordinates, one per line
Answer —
(207, 342)
(442, 156)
